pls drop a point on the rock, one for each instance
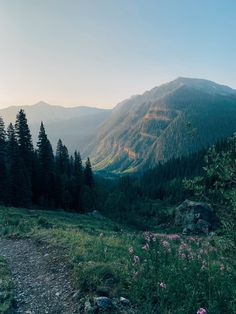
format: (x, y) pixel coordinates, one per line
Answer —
(124, 301)
(202, 226)
(96, 214)
(103, 303)
(212, 234)
(195, 217)
(88, 309)
(76, 295)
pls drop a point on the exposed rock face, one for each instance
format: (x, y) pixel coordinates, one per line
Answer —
(195, 217)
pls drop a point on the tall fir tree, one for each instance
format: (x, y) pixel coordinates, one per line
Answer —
(18, 193)
(25, 147)
(46, 175)
(88, 175)
(2, 161)
(24, 139)
(62, 158)
(77, 182)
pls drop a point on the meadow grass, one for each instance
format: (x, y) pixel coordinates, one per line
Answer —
(158, 273)
(6, 287)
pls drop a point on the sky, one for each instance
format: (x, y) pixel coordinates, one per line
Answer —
(100, 52)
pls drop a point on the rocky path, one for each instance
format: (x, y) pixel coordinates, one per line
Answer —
(41, 278)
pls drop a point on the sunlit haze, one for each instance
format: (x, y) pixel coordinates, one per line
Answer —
(99, 52)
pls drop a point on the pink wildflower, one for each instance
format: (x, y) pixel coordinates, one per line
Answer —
(185, 249)
(150, 237)
(131, 249)
(201, 311)
(136, 259)
(222, 266)
(173, 237)
(162, 285)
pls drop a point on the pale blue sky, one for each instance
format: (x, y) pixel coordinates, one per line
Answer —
(98, 52)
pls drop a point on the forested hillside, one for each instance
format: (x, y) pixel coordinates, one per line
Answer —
(169, 121)
(36, 177)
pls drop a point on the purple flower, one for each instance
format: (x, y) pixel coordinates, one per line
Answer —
(136, 259)
(222, 266)
(162, 285)
(202, 311)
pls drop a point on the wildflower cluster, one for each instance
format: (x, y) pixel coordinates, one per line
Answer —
(185, 251)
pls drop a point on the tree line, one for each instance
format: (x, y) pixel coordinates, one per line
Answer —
(36, 177)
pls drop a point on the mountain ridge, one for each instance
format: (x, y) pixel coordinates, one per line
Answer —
(142, 130)
(74, 125)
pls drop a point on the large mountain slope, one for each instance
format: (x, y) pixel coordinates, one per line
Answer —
(75, 126)
(168, 121)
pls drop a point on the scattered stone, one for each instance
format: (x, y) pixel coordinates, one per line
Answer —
(88, 309)
(38, 287)
(124, 301)
(212, 234)
(103, 303)
(76, 295)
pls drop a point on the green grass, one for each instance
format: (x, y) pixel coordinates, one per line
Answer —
(173, 275)
(6, 288)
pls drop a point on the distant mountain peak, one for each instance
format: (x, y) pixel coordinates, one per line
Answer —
(42, 103)
(204, 85)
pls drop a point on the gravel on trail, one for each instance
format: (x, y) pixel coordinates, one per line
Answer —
(41, 278)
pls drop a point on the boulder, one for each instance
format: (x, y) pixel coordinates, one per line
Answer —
(103, 303)
(195, 217)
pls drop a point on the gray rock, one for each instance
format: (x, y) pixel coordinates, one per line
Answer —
(203, 226)
(103, 303)
(88, 309)
(195, 217)
(124, 301)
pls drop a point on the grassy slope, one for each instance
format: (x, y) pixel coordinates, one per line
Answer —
(6, 295)
(169, 275)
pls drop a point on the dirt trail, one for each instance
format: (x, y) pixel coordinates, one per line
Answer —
(41, 278)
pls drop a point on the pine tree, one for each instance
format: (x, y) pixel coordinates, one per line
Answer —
(62, 158)
(88, 175)
(24, 139)
(46, 173)
(2, 161)
(77, 181)
(18, 193)
(25, 147)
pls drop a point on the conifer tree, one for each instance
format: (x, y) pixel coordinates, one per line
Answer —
(45, 169)
(18, 192)
(24, 139)
(62, 158)
(88, 175)
(78, 181)
(2, 161)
